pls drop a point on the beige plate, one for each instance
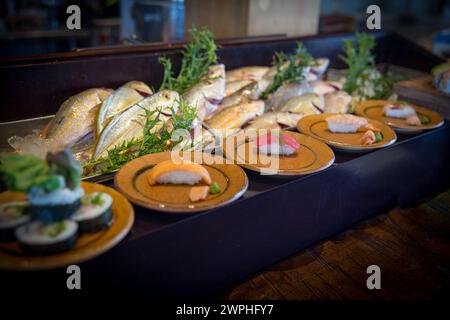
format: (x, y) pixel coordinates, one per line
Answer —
(87, 247)
(312, 156)
(131, 180)
(316, 126)
(374, 109)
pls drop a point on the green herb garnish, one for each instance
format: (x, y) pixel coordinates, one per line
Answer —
(363, 79)
(198, 56)
(214, 188)
(157, 134)
(378, 137)
(97, 199)
(21, 172)
(289, 68)
(424, 119)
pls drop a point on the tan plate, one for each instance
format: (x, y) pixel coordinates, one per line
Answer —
(131, 180)
(312, 156)
(316, 126)
(373, 109)
(87, 247)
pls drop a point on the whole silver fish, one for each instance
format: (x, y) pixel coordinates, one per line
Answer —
(249, 92)
(275, 120)
(233, 86)
(337, 102)
(316, 72)
(75, 118)
(287, 91)
(236, 116)
(308, 103)
(124, 97)
(246, 73)
(129, 124)
(207, 94)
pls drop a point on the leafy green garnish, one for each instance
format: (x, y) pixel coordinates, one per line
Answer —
(157, 134)
(424, 119)
(21, 172)
(97, 199)
(214, 188)
(289, 68)
(50, 182)
(378, 137)
(363, 79)
(198, 56)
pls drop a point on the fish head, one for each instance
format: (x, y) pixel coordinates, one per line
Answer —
(140, 87)
(167, 100)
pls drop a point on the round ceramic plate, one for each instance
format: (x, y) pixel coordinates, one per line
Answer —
(131, 180)
(373, 109)
(312, 156)
(316, 127)
(87, 247)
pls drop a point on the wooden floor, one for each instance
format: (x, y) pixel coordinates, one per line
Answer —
(412, 248)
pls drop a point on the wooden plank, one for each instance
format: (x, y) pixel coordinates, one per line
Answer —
(412, 248)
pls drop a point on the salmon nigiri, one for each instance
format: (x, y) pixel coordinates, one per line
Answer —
(178, 173)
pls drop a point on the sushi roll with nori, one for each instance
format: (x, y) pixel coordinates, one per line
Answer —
(40, 238)
(95, 212)
(12, 215)
(56, 205)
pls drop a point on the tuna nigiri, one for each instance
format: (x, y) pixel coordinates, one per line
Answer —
(178, 173)
(281, 145)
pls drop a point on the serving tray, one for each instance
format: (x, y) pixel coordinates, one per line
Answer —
(167, 256)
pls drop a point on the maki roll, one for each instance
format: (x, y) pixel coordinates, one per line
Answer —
(56, 205)
(95, 212)
(12, 215)
(40, 238)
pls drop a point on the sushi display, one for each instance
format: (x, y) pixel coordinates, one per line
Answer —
(108, 128)
(56, 211)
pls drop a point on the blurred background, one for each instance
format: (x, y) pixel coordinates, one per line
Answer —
(29, 27)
